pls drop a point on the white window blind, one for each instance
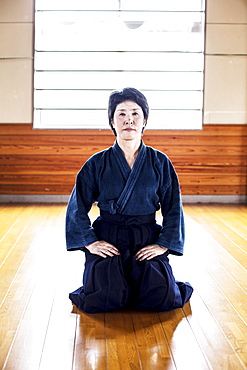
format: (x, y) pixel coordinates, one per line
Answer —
(84, 50)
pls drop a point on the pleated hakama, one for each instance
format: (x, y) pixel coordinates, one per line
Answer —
(122, 282)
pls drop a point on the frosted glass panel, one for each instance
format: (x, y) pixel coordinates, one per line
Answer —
(123, 4)
(124, 61)
(75, 99)
(72, 119)
(115, 80)
(113, 31)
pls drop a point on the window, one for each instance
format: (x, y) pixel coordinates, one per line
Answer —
(86, 49)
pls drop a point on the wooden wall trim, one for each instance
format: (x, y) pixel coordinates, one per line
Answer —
(211, 161)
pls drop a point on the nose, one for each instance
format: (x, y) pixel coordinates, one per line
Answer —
(128, 119)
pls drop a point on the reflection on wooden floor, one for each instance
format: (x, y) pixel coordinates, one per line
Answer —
(40, 329)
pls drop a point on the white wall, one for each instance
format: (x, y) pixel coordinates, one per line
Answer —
(16, 75)
(226, 62)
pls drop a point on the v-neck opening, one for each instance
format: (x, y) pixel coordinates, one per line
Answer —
(125, 167)
(131, 176)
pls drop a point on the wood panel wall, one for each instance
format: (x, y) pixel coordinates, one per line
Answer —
(209, 162)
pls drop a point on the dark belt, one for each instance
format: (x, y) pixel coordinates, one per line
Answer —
(127, 220)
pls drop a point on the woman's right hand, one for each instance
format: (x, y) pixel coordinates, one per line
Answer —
(102, 249)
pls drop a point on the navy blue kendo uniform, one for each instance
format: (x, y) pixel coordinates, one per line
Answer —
(128, 200)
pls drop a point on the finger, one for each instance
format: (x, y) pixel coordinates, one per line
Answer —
(150, 256)
(141, 256)
(107, 246)
(112, 249)
(140, 253)
(155, 254)
(147, 254)
(101, 254)
(111, 253)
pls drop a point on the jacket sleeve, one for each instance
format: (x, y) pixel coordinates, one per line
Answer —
(172, 232)
(79, 231)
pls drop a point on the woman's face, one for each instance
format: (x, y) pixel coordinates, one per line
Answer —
(128, 120)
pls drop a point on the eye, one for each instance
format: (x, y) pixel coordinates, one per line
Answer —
(135, 114)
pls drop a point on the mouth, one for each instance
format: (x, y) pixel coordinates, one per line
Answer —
(129, 129)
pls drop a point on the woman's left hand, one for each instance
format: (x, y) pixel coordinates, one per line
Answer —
(149, 252)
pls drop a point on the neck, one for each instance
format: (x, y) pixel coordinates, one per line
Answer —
(130, 149)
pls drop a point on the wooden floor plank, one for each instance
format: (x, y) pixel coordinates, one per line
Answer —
(235, 222)
(225, 270)
(220, 234)
(17, 298)
(217, 287)
(231, 225)
(222, 248)
(15, 247)
(183, 344)
(26, 349)
(122, 351)
(217, 320)
(58, 343)
(152, 343)
(8, 217)
(90, 345)
(216, 347)
(12, 225)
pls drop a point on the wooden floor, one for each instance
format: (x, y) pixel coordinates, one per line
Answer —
(40, 329)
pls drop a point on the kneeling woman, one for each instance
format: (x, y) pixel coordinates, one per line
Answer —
(127, 265)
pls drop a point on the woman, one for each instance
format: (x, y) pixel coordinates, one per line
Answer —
(127, 265)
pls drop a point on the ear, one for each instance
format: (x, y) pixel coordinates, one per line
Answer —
(144, 125)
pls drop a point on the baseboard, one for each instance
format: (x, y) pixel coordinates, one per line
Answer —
(33, 198)
(214, 199)
(26, 198)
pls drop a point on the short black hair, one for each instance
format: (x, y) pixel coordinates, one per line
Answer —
(128, 93)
